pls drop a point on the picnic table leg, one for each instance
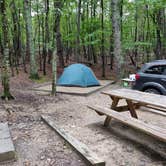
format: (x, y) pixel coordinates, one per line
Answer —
(132, 109)
(115, 101)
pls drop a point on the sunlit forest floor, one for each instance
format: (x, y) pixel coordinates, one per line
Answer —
(37, 145)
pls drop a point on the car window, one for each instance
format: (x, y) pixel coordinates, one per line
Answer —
(161, 70)
(164, 70)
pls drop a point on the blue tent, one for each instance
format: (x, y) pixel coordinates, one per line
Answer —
(78, 75)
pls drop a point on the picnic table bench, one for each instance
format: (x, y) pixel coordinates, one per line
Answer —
(134, 99)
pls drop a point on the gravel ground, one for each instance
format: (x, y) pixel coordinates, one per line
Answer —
(37, 145)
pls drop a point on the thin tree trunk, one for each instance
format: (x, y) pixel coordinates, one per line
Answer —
(93, 15)
(46, 41)
(121, 20)
(136, 35)
(54, 71)
(78, 31)
(148, 33)
(43, 46)
(164, 33)
(39, 35)
(158, 44)
(16, 34)
(1, 45)
(87, 19)
(22, 52)
(111, 49)
(54, 59)
(158, 33)
(83, 26)
(102, 39)
(58, 4)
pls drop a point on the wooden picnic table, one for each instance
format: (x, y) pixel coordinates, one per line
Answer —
(137, 96)
(134, 99)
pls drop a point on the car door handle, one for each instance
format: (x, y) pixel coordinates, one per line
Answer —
(163, 79)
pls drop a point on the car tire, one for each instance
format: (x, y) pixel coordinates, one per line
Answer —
(152, 90)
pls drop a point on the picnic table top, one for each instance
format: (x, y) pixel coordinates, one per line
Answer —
(138, 96)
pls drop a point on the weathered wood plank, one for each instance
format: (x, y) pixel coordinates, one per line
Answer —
(153, 110)
(160, 110)
(107, 121)
(140, 97)
(7, 150)
(154, 131)
(121, 108)
(132, 109)
(81, 148)
(113, 105)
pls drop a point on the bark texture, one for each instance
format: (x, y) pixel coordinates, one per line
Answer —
(29, 36)
(117, 36)
(58, 4)
(5, 64)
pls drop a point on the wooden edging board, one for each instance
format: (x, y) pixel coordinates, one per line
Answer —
(74, 93)
(7, 150)
(89, 156)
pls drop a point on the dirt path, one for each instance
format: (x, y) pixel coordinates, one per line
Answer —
(37, 145)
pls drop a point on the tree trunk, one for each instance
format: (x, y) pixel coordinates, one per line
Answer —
(118, 58)
(158, 33)
(93, 15)
(89, 57)
(58, 6)
(5, 67)
(102, 39)
(136, 35)
(16, 41)
(78, 31)
(111, 48)
(30, 43)
(121, 20)
(39, 35)
(54, 59)
(147, 34)
(54, 71)
(164, 33)
(46, 39)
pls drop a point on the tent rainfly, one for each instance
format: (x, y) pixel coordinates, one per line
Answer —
(78, 75)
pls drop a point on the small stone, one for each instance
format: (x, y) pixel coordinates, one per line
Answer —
(27, 163)
(42, 157)
(48, 160)
(15, 138)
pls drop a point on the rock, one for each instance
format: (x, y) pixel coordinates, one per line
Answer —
(42, 157)
(27, 163)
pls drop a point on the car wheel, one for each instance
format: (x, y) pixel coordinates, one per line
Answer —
(152, 90)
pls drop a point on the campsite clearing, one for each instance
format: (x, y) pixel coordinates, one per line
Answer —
(81, 91)
(36, 143)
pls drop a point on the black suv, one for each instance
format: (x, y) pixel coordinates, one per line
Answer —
(152, 78)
